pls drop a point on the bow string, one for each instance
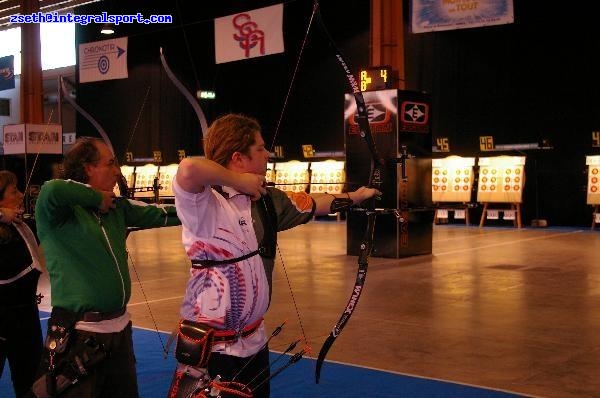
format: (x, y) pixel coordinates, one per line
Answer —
(376, 177)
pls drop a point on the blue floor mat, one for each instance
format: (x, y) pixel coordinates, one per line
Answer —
(337, 380)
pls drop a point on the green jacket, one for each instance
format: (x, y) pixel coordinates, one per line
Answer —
(85, 250)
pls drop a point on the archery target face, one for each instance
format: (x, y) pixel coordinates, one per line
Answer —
(506, 179)
(145, 176)
(165, 179)
(501, 180)
(594, 180)
(292, 176)
(593, 188)
(270, 174)
(127, 172)
(452, 179)
(327, 177)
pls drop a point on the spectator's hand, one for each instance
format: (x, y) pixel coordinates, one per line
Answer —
(253, 185)
(109, 201)
(12, 215)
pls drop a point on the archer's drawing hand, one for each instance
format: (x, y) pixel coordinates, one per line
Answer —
(253, 185)
(12, 215)
(109, 201)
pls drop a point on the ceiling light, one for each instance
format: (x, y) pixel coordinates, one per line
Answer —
(107, 29)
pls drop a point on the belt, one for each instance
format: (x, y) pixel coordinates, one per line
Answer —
(95, 316)
(222, 336)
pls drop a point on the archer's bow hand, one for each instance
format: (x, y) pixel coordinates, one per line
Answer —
(364, 193)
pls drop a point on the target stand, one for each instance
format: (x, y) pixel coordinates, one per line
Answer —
(501, 182)
(512, 214)
(461, 212)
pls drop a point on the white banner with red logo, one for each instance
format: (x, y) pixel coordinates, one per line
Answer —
(249, 34)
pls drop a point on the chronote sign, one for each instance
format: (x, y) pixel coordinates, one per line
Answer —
(32, 138)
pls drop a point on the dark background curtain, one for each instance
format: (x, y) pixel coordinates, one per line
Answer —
(533, 80)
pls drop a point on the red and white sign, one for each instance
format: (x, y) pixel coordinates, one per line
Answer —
(249, 34)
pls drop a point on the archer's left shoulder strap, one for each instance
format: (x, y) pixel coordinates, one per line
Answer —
(268, 215)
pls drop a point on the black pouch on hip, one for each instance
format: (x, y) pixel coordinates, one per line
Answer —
(60, 328)
(194, 343)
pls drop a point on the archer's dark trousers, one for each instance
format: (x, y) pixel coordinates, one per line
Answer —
(113, 377)
(20, 344)
(228, 367)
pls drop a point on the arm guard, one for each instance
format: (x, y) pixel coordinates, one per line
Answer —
(340, 204)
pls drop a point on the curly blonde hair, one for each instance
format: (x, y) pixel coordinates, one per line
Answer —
(229, 134)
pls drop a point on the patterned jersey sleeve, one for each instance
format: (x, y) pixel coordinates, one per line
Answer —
(293, 208)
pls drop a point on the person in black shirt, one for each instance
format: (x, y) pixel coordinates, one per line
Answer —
(20, 268)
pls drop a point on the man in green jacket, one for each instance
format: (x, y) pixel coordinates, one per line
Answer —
(82, 228)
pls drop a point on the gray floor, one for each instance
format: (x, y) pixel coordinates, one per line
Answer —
(504, 308)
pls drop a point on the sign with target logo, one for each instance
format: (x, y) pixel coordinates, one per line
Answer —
(593, 187)
(452, 179)
(103, 60)
(501, 179)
